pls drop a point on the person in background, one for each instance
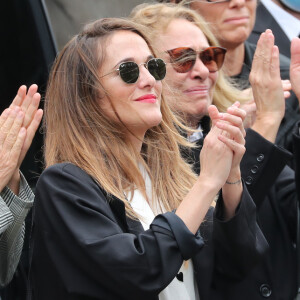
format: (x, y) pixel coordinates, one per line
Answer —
(232, 22)
(193, 58)
(282, 17)
(18, 125)
(117, 209)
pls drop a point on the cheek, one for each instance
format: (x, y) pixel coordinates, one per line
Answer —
(213, 80)
(252, 10)
(175, 80)
(158, 88)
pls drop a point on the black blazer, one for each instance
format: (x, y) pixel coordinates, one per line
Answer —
(84, 247)
(272, 187)
(265, 20)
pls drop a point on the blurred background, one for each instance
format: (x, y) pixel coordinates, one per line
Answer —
(68, 16)
(32, 32)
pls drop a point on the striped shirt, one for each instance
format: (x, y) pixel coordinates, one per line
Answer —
(13, 211)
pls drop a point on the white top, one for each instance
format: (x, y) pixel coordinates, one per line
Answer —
(195, 136)
(288, 23)
(181, 290)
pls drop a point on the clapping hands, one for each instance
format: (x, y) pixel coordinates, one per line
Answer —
(18, 125)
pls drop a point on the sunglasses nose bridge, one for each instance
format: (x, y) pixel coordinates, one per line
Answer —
(144, 72)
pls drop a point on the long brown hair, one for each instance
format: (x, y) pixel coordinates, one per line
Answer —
(158, 16)
(79, 132)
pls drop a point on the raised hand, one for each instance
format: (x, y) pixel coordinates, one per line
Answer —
(295, 66)
(28, 103)
(18, 125)
(267, 87)
(250, 106)
(12, 137)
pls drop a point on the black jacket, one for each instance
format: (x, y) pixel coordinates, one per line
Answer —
(272, 187)
(265, 20)
(84, 247)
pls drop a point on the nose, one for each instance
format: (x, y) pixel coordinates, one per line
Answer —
(236, 3)
(199, 70)
(145, 78)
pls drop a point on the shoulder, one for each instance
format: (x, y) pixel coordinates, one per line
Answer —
(66, 178)
(64, 170)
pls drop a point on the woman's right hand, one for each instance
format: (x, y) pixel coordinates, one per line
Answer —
(267, 87)
(216, 159)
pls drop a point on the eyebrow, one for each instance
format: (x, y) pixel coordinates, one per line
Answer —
(131, 59)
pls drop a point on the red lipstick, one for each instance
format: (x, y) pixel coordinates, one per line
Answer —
(149, 98)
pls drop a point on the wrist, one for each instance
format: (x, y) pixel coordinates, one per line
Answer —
(267, 126)
(14, 182)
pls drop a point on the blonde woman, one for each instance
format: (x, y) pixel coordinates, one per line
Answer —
(117, 209)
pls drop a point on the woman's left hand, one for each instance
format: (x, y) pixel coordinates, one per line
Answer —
(232, 121)
(234, 139)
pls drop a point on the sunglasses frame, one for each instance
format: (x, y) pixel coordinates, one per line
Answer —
(197, 53)
(137, 66)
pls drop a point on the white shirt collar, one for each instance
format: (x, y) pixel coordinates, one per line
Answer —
(195, 136)
(289, 24)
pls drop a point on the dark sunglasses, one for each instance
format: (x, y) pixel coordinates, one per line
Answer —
(129, 71)
(183, 58)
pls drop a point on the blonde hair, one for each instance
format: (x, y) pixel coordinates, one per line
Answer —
(79, 132)
(158, 16)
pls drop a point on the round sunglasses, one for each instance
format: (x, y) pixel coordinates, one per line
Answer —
(129, 71)
(183, 58)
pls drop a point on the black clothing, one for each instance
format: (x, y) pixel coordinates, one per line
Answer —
(272, 187)
(84, 247)
(265, 20)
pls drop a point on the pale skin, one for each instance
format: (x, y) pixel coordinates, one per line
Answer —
(267, 88)
(18, 125)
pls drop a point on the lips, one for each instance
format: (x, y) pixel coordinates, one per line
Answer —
(149, 98)
(197, 90)
(238, 19)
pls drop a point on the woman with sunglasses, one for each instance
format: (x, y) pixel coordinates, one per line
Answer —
(232, 22)
(186, 42)
(117, 208)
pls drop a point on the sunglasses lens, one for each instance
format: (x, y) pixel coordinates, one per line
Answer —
(129, 72)
(213, 58)
(182, 59)
(157, 68)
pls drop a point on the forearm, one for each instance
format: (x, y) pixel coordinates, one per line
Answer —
(11, 244)
(11, 241)
(267, 126)
(195, 205)
(14, 182)
(232, 193)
